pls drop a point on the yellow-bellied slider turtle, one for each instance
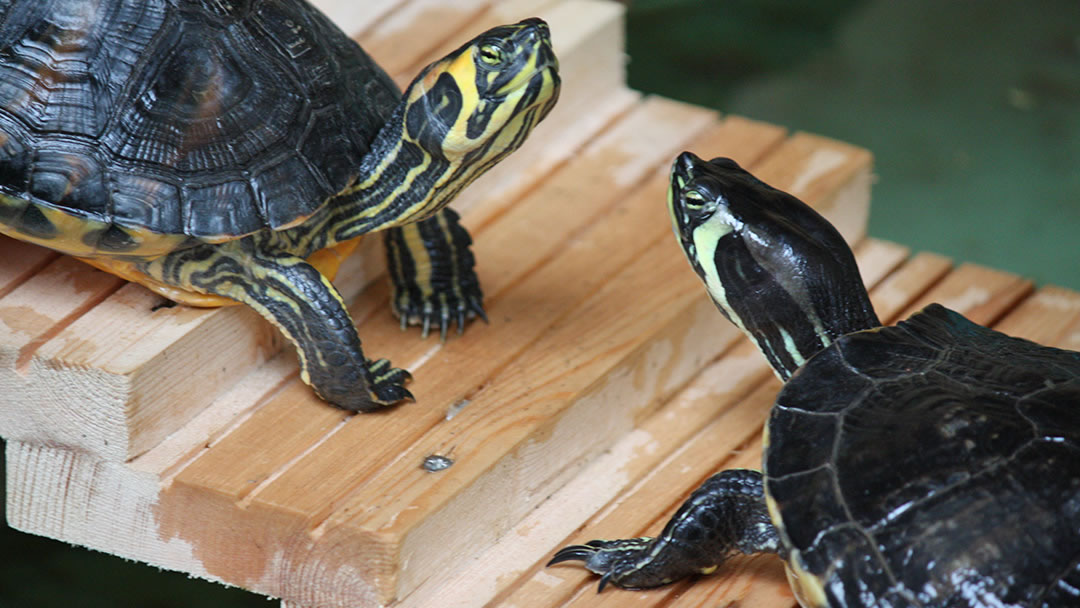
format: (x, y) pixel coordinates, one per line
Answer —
(935, 463)
(217, 151)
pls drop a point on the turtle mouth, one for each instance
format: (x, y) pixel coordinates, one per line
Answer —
(536, 34)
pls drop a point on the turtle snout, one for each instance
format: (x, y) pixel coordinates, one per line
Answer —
(535, 29)
(684, 169)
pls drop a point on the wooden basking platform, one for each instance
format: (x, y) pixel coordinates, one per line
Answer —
(604, 390)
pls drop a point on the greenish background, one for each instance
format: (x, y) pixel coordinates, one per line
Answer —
(972, 109)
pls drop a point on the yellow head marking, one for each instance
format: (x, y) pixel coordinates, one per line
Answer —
(504, 81)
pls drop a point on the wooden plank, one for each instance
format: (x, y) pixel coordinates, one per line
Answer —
(566, 403)
(27, 319)
(897, 291)
(724, 409)
(21, 261)
(681, 304)
(423, 26)
(1050, 316)
(982, 294)
(31, 314)
(355, 18)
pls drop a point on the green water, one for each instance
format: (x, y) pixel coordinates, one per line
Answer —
(971, 108)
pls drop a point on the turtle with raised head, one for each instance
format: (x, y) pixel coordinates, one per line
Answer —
(222, 152)
(935, 463)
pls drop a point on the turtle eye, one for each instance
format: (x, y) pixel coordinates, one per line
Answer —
(694, 199)
(491, 54)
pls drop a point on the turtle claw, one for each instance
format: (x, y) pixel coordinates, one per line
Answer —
(385, 382)
(572, 553)
(618, 562)
(443, 315)
(477, 307)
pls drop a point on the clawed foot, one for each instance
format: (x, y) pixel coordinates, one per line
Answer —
(626, 563)
(440, 311)
(385, 383)
(432, 273)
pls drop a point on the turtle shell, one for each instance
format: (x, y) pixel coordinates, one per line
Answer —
(935, 463)
(206, 118)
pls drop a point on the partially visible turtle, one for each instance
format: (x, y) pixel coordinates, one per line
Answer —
(935, 463)
(217, 151)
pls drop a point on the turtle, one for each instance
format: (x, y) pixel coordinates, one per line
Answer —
(932, 463)
(225, 152)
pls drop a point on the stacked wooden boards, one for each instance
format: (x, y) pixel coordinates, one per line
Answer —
(604, 390)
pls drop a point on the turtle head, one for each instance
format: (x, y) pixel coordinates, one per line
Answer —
(774, 267)
(478, 104)
(460, 116)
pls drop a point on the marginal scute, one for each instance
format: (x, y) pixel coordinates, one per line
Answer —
(221, 208)
(287, 191)
(70, 178)
(14, 158)
(34, 223)
(806, 587)
(803, 440)
(113, 239)
(146, 200)
(807, 501)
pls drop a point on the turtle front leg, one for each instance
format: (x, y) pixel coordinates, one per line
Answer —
(431, 273)
(727, 514)
(303, 304)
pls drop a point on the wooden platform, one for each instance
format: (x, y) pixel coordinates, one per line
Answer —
(604, 390)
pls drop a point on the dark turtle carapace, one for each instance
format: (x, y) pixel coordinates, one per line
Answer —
(223, 152)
